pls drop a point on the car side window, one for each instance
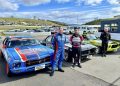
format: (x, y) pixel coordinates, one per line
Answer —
(49, 39)
(4, 42)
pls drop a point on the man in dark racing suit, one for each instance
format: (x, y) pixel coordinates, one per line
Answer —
(105, 37)
(76, 40)
(58, 42)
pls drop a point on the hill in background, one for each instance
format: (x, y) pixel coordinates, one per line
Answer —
(97, 22)
(22, 22)
(29, 22)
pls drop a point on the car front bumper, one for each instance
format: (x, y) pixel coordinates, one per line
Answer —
(112, 49)
(30, 68)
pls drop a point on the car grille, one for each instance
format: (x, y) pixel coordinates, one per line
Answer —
(114, 46)
(35, 62)
(86, 52)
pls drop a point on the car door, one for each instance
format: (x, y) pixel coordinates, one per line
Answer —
(48, 41)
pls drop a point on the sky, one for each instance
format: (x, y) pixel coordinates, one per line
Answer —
(67, 11)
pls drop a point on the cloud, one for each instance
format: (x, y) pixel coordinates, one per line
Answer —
(116, 9)
(6, 5)
(115, 2)
(93, 2)
(34, 2)
(89, 2)
(66, 16)
(62, 1)
(63, 14)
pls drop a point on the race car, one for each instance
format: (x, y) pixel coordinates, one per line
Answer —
(92, 39)
(87, 49)
(25, 54)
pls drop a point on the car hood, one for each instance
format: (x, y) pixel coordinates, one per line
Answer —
(99, 42)
(30, 52)
(83, 46)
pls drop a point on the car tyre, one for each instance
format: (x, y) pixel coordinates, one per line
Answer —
(84, 57)
(8, 72)
(1, 54)
(68, 56)
(99, 50)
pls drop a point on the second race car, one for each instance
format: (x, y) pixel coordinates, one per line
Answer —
(87, 49)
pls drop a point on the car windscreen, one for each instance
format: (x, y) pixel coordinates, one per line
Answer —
(22, 42)
(91, 37)
(67, 39)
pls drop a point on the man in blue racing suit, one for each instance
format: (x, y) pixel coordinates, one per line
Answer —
(58, 42)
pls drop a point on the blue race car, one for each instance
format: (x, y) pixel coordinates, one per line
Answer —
(24, 54)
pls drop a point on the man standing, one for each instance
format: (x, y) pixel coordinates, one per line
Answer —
(58, 42)
(105, 37)
(76, 40)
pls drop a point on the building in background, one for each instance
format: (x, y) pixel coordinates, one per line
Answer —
(86, 28)
(112, 24)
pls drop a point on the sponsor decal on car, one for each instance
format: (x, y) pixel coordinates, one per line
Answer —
(29, 53)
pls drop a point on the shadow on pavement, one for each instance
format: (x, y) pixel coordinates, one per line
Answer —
(69, 64)
(114, 81)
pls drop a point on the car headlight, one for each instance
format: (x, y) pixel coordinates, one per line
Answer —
(97, 51)
(16, 65)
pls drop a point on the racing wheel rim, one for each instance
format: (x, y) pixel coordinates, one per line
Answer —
(66, 56)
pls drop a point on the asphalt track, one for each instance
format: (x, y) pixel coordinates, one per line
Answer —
(41, 78)
(70, 77)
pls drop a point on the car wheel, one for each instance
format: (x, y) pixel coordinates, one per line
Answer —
(66, 56)
(8, 72)
(84, 57)
(99, 50)
(1, 55)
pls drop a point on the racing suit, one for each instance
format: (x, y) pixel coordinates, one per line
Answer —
(58, 42)
(105, 37)
(76, 40)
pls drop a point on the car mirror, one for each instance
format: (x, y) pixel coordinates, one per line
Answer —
(43, 42)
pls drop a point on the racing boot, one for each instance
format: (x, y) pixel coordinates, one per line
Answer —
(105, 55)
(102, 55)
(52, 73)
(61, 70)
(79, 65)
(73, 65)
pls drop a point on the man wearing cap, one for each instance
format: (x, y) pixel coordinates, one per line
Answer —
(105, 37)
(58, 42)
(76, 40)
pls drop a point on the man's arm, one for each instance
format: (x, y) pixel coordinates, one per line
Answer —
(81, 37)
(109, 36)
(53, 40)
(71, 39)
(101, 36)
